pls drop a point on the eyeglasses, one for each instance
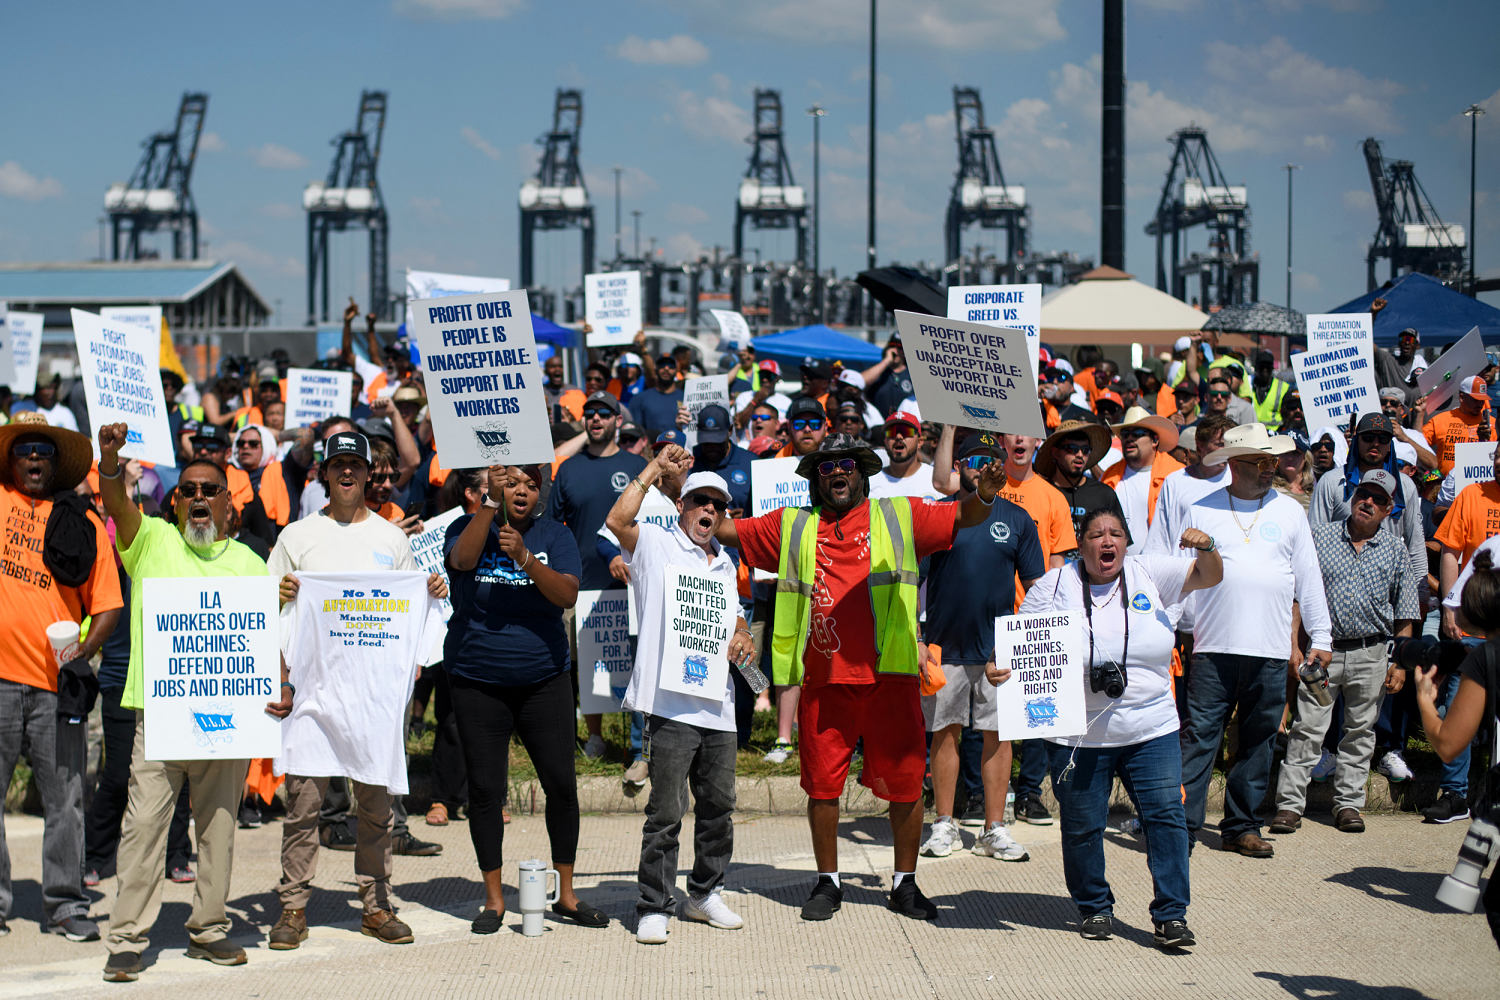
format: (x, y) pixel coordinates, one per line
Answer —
(602, 412)
(833, 468)
(1378, 499)
(977, 461)
(1074, 447)
(208, 446)
(33, 449)
(191, 491)
(707, 500)
(376, 478)
(1219, 394)
(807, 423)
(1135, 432)
(1235, 370)
(248, 443)
(1267, 462)
(1375, 437)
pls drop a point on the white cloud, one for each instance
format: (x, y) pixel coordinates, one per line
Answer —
(252, 259)
(686, 215)
(1303, 281)
(1004, 25)
(634, 182)
(1359, 200)
(276, 157)
(280, 210)
(17, 182)
(683, 246)
(711, 117)
(457, 10)
(473, 138)
(1319, 143)
(679, 50)
(211, 142)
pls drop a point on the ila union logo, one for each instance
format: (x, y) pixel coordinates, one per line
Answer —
(1000, 532)
(618, 482)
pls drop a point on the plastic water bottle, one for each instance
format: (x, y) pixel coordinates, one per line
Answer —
(1010, 808)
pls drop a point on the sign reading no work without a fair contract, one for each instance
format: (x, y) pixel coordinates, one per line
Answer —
(612, 306)
(315, 394)
(212, 663)
(1044, 695)
(971, 374)
(484, 386)
(122, 383)
(1015, 307)
(1336, 382)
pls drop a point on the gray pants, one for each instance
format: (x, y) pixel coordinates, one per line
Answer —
(56, 747)
(681, 756)
(1359, 674)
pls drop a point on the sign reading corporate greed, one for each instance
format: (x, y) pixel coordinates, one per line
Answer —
(484, 386)
(1015, 307)
(971, 374)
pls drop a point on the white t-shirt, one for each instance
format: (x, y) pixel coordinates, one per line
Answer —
(319, 544)
(1134, 491)
(1178, 492)
(917, 484)
(1454, 597)
(352, 642)
(60, 416)
(656, 549)
(1146, 710)
(1269, 561)
(776, 399)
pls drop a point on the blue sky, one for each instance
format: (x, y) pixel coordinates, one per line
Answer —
(667, 96)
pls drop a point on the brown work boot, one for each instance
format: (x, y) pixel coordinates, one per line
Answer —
(290, 930)
(1285, 821)
(1349, 820)
(382, 925)
(1249, 844)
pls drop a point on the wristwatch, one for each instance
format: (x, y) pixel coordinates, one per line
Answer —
(485, 501)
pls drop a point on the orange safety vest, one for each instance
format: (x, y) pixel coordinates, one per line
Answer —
(1162, 466)
(273, 495)
(372, 391)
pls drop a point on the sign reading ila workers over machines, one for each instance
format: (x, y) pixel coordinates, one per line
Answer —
(1044, 695)
(212, 663)
(971, 374)
(700, 613)
(484, 386)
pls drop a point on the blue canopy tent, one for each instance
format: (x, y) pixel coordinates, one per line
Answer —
(789, 347)
(1437, 312)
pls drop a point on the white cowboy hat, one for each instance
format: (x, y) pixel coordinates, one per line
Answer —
(1250, 439)
(1139, 416)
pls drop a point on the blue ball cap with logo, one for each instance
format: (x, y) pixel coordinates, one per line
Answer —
(713, 424)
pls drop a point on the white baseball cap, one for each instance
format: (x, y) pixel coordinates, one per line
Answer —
(852, 377)
(1182, 343)
(706, 481)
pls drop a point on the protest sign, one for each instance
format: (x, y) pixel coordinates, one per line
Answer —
(1473, 462)
(1335, 383)
(484, 386)
(699, 615)
(7, 363)
(705, 390)
(1015, 307)
(612, 306)
(602, 622)
(212, 663)
(25, 329)
(315, 394)
(122, 383)
(658, 509)
(1044, 695)
(1329, 330)
(971, 374)
(774, 484)
(1440, 382)
(147, 316)
(427, 549)
(732, 326)
(438, 285)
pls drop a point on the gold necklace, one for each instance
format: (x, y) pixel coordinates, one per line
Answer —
(1244, 530)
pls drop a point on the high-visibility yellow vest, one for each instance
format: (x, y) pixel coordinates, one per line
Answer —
(892, 581)
(1268, 410)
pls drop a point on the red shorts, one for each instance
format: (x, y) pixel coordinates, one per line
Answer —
(832, 718)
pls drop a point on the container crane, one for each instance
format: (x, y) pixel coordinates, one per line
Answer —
(1196, 193)
(158, 194)
(350, 199)
(555, 197)
(980, 193)
(1409, 232)
(768, 196)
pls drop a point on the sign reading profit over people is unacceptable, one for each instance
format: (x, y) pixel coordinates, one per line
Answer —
(971, 374)
(484, 386)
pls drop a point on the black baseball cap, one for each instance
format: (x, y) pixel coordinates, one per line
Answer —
(212, 433)
(713, 424)
(1376, 423)
(813, 368)
(980, 444)
(806, 406)
(346, 443)
(604, 399)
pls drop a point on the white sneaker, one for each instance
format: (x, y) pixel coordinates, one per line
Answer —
(942, 839)
(1394, 766)
(652, 929)
(594, 748)
(713, 911)
(636, 774)
(1324, 767)
(779, 752)
(996, 842)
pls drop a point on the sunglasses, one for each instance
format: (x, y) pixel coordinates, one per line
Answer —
(208, 446)
(601, 412)
(1375, 437)
(248, 443)
(807, 423)
(901, 432)
(977, 461)
(842, 465)
(629, 439)
(707, 500)
(1135, 432)
(33, 449)
(1235, 370)
(1268, 462)
(191, 491)
(1219, 394)
(763, 417)
(1075, 447)
(1322, 445)
(1378, 499)
(376, 478)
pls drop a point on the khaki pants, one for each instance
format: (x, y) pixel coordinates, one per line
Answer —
(299, 842)
(215, 787)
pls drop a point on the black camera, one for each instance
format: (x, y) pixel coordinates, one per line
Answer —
(1424, 651)
(1108, 677)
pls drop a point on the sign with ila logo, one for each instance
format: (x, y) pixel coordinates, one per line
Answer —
(1043, 696)
(698, 617)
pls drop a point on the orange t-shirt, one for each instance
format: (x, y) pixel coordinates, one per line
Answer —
(1474, 516)
(389, 511)
(1449, 428)
(33, 600)
(1049, 509)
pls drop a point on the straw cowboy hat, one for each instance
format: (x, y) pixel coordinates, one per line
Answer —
(1250, 439)
(1164, 429)
(75, 454)
(1099, 441)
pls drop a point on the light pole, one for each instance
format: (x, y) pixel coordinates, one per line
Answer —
(635, 215)
(1472, 112)
(817, 113)
(870, 181)
(617, 213)
(1289, 168)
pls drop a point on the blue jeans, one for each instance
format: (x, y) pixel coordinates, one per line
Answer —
(1152, 775)
(1028, 780)
(1455, 773)
(1255, 689)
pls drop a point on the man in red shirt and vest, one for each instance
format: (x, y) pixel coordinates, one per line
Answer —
(846, 629)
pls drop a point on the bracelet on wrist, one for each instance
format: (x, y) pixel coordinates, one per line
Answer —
(119, 471)
(289, 686)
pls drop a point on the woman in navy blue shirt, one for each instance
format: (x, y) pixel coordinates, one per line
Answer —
(512, 575)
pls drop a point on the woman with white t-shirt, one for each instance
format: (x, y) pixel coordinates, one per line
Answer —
(1133, 733)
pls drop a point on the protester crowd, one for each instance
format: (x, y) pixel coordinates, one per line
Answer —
(1237, 570)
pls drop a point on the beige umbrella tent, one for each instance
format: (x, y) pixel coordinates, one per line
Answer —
(1108, 307)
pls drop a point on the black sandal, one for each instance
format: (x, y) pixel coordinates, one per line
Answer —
(584, 916)
(488, 922)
